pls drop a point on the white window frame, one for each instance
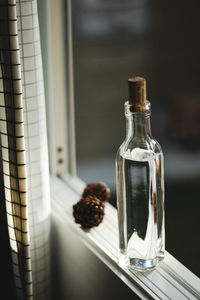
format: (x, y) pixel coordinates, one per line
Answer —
(171, 280)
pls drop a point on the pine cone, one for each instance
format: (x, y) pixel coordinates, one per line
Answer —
(88, 212)
(99, 190)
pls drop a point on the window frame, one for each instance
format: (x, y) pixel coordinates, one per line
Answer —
(60, 87)
(171, 276)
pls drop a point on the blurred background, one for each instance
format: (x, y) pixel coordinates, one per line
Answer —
(113, 40)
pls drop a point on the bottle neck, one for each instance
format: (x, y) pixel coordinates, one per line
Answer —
(138, 125)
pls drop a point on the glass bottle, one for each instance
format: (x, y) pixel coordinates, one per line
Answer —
(140, 186)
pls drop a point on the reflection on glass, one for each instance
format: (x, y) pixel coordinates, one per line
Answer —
(114, 40)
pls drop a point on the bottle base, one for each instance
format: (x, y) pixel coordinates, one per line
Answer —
(143, 265)
(137, 264)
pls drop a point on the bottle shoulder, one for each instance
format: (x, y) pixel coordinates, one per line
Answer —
(149, 144)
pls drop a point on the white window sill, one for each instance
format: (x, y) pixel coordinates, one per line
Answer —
(171, 280)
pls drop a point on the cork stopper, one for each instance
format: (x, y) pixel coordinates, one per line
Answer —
(137, 93)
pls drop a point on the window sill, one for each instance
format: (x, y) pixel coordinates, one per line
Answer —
(171, 280)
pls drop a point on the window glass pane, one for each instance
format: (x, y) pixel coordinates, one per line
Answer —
(114, 40)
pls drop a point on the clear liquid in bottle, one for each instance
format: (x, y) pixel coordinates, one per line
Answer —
(140, 189)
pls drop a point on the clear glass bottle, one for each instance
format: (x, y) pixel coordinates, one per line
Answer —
(140, 186)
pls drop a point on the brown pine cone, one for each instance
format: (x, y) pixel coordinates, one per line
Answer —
(88, 212)
(99, 190)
